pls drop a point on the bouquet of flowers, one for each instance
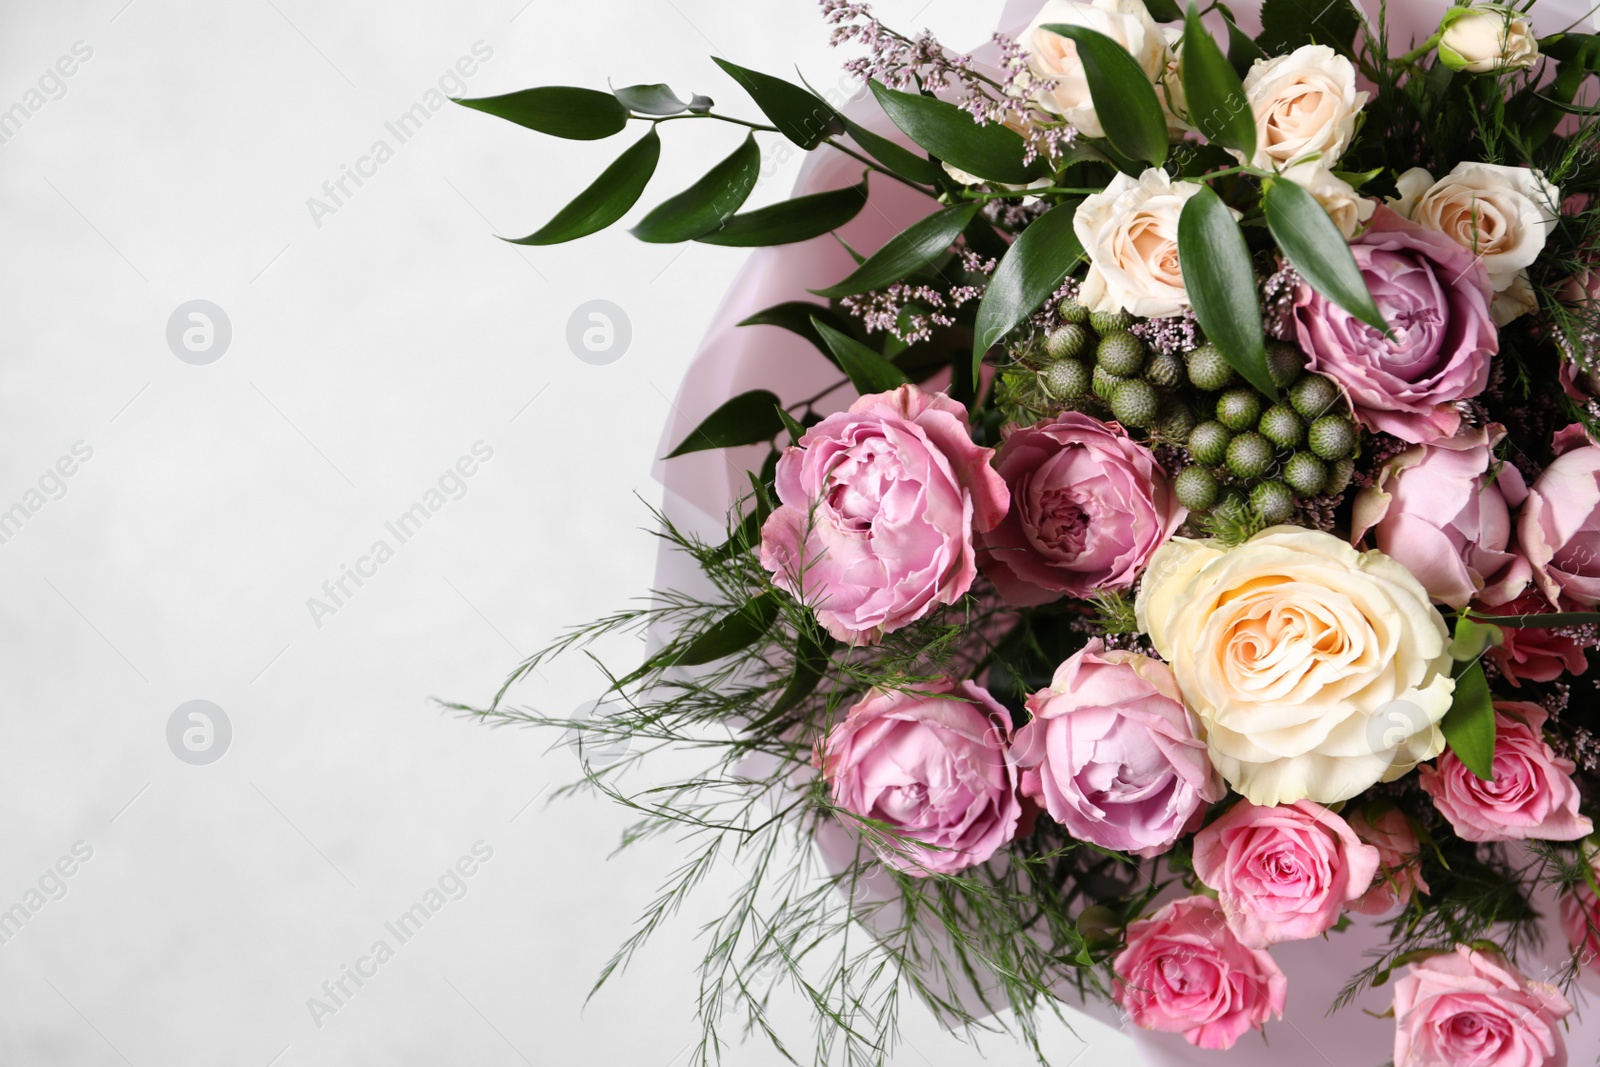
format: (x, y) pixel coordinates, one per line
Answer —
(1199, 542)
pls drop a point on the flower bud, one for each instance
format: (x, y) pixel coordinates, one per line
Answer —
(1490, 38)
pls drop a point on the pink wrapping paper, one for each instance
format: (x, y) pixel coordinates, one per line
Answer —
(700, 488)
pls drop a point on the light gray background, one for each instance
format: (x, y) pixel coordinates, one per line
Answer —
(368, 353)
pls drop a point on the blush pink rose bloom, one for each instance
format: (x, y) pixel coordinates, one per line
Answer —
(933, 766)
(1443, 511)
(879, 505)
(1184, 972)
(1089, 506)
(1531, 797)
(1435, 296)
(1534, 653)
(1560, 524)
(1283, 873)
(1580, 921)
(1114, 755)
(1399, 859)
(1473, 1009)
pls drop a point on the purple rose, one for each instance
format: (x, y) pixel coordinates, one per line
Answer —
(1443, 511)
(879, 505)
(1114, 754)
(1089, 506)
(933, 766)
(1435, 295)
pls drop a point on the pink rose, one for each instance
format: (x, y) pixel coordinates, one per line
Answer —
(1184, 972)
(1473, 1009)
(879, 505)
(1114, 755)
(933, 766)
(1089, 508)
(1283, 873)
(1580, 921)
(1435, 296)
(1443, 511)
(1399, 859)
(1531, 795)
(1560, 525)
(1534, 653)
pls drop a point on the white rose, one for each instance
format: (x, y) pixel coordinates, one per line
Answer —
(1412, 184)
(1481, 40)
(1504, 214)
(1130, 232)
(1348, 208)
(1514, 301)
(1305, 104)
(1317, 670)
(1054, 58)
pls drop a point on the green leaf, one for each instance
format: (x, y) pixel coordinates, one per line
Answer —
(804, 118)
(796, 317)
(1288, 24)
(1221, 280)
(1242, 51)
(810, 664)
(559, 110)
(1472, 639)
(1163, 10)
(744, 420)
(906, 252)
(790, 221)
(1037, 263)
(1316, 248)
(738, 629)
(1549, 619)
(747, 535)
(903, 162)
(1469, 724)
(951, 134)
(1218, 107)
(616, 190)
(790, 423)
(706, 204)
(1124, 98)
(868, 371)
(655, 99)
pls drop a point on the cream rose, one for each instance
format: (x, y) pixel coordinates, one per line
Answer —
(1060, 85)
(1305, 104)
(1131, 234)
(1481, 40)
(1504, 214)
(1316, 670)
(1348, 208)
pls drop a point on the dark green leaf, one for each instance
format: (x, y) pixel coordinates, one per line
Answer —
(616, 190)
(747, 535)
(784, 223)
(1221, 280)
(1125, 100)
(1547, 620)
(1242, 51)
(1469, 724)
(1163, 10)
(706, 204)
(903, 162)
(744, 420)
(810, 664)
(1288, 24)
(701, 104)
(1217, 104)
(804, 118)
(790, 423)
(727, 635)
(906, 252)
(1035, 267)
(1473, 638)
(1316, 248)
(868, 371)
(951, 134)
(655, 99)
(559, 110)
(796, 315)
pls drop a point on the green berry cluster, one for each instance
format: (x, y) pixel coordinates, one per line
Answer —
(1256, 457)
(1093, 355)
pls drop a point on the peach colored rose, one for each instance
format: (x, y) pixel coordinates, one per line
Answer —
(1399, 859)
